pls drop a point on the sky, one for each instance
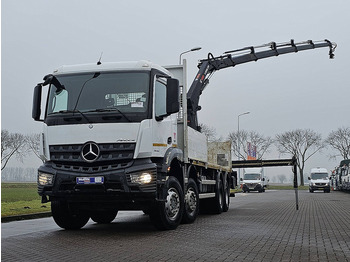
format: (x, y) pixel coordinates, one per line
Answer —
(301, 90)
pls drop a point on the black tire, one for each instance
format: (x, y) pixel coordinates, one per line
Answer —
(167, 215)
(66, 218)
(215, 205)
(191, 208)
(226, 196)
(311, 191)
(104, 217)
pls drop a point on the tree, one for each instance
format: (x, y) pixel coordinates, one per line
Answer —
(12, 144)
(209, 132)
(301, 143)
(340, 141)
(33, 143)
(281, 178)
(262, 143)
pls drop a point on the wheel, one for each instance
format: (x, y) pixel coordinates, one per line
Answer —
(67, 218)
(104, 217)
(310, 190)
(226, 197)
(191, 202)
(167, 215)
(216, 205)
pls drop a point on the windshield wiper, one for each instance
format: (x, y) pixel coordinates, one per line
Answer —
(111, 109)
(72, 111)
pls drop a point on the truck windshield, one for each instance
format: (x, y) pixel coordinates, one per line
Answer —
(251, 176)
(319, 176)
(123, 94)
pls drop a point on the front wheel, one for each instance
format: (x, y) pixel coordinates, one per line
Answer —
(67, 217)
(167, 215)
(191, 202)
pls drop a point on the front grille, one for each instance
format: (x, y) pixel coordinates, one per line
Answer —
(112, 156)
(320, 184)
(251, 185)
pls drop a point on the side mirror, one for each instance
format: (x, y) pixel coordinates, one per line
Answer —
(36, 109)
(263, 179)
(241, 179)
(172, 96)
(309, 178)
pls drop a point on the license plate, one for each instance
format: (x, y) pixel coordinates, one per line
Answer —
(90, 180)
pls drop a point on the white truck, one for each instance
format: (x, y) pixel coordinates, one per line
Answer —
(319, 180)
(253, 180)
(125, 136)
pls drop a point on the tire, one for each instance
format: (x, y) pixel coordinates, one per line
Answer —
(66, 218)
(217, 203)
(167, 215)
(226, 196)
(104, 217)
(191, 203)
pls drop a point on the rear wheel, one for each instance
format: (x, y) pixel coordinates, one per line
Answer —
(167, 215)
(67, 217)
(104, 217)
(191, 202)
(226, 188)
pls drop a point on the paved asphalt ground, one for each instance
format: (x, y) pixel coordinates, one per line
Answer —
(258, 227)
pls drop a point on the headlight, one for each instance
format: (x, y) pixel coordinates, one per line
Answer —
(45, 179)
(141, 178)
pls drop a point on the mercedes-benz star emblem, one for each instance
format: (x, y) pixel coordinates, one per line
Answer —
(90, 152)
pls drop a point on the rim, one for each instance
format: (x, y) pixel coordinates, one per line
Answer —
(172, 204)
(191, 201)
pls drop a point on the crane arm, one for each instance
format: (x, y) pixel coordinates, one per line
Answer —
(235, 57)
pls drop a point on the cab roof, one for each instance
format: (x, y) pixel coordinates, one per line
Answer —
(109, 66)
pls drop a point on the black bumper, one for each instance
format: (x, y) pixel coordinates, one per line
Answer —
(117, 188)
(323, 188)
(257, 187)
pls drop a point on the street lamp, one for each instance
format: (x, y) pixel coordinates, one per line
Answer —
(191, 50)
(239, 142)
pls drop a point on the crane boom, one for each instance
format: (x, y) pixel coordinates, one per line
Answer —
(235, 57)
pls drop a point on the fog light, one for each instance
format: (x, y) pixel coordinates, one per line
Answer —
(145, 178)
(45, 179)
(141, 178)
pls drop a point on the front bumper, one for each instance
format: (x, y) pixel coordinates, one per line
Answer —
(252, 187)
(117, 187)
(320, 187)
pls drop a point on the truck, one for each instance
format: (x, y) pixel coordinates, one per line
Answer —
(341, 176)
(253, 180)
(125, 136)
(319, 180)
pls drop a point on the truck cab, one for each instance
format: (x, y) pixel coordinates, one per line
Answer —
(319, 180)
(253, 180)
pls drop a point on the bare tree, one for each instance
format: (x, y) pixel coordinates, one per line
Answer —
(262, 143)
(301, 143)
(209, 131)
(33, 143)
(281, 178)
(340, 141)
(12, 144)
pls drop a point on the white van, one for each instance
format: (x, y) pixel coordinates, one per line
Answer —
(253, 180)
(319, 180)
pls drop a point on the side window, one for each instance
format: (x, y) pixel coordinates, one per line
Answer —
(160, 99)
(60, 101)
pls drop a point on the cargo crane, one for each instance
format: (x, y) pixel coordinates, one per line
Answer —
(207, 67)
